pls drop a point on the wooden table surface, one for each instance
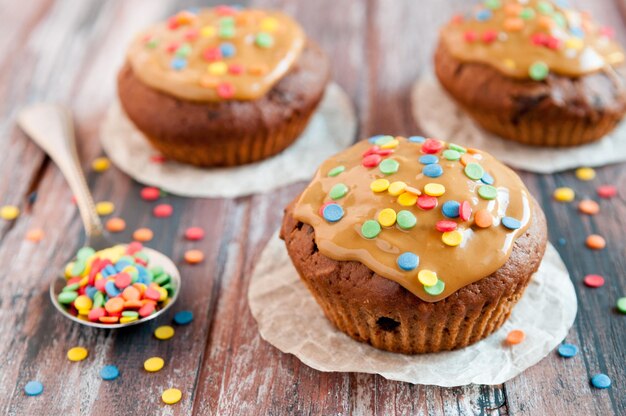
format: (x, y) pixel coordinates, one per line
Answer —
(69, 51)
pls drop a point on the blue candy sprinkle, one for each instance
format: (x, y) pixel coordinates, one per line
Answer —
(109, 270)
(417, 139)
(433, 171)
(33, 388)
(120, 265)
(562, 241)
(451, 209)
(577, 32)
(511, 223)
(568, 350)
(487, 179)
(428, 159)
(178, 63)
(111, 289)
(601, 381)
(408, 261)
(90, 291)
(109, 372)
(332, 212)
(227, 49)
(484, 14)
(183, 317)
(374, 138)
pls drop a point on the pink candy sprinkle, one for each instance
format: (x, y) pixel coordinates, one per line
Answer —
(150, 193)
(607, 191)
(194, 233)
(371, 161)
(593, 280)
(163, 210)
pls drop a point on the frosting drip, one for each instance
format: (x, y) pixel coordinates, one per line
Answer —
(463, 254)
(217, 54)
(528, 39)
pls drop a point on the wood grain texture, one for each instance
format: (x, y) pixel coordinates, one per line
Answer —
(69, 51)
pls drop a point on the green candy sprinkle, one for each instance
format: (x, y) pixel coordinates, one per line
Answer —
(71, 288)
(183, 50)
(538, 71)
(383, 140)
(527, 13)
(152, 43)
(156, 270)
(338, 191)
(458, 148)
(621, 305)
(162, 279)
(78, 268)
(388, 166)
(474, 171)
(406, 220)
(370, 229)
(67, 297)
(336, 171)
(84, 253)
(436, 289)
(98, 300)
(487, 192)
(226, 32)
(493, 4)
(264, 40)
(545, 8)
(451, 154)
(560, 19)
(130, 314)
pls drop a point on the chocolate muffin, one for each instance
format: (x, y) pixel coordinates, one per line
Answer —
(222, 86)
(413, 245)
(539, 73)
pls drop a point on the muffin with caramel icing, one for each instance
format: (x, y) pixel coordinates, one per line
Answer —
(415, 245)
(222, 86)
(536, 72)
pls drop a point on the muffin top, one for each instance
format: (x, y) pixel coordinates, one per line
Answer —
(215, 54)
(531, 38)
(429, 215)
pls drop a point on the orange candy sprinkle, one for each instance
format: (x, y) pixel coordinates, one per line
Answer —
(115, 225)
(588, 206)
(466, 158)
(513, 24)
(194, 256)
(114, 305)
(595, 242)
(143, 234)
(515, 337)
(483, 218)
(35, 235)
(131, 293)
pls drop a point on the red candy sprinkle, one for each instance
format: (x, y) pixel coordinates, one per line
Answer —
(194, 233)
(384, 152)
(99, 284)
(172, 47)
(95, 314)
(192, 34)
(151, 294)
(371, 151)
(593, 280)
(212, 54)
(470, 36)
(223, 10)
(122, 280)
(146, 310)
(150, 193)
(225, 90)
(163, 210)
(607, 191)
(445, 226)
(134, 247)
(371, 161)
(426, 202)
(489, 36)
(431, 146)
(235, 69)
(539, 39)
(465, 211)
(158, 159)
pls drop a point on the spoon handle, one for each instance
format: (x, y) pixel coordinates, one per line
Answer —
(51, 127)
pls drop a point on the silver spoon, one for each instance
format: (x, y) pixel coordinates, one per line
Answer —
(51, 127)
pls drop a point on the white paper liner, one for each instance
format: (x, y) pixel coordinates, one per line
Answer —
(331, 129)
(436, 112)
(289, 318)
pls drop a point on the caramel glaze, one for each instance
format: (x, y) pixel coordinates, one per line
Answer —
(513, 52)
(482, 251)
(262, 66)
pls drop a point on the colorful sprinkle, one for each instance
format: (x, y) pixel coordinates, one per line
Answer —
(483, 218)
(338, 191)
(567, 350)
(370, 229)
(115, 225)
(171, 396)
(406, 220)
(465, 211)
(436, 289)
(593, 280)
(164, 332)
(332, 212)
(451, 209)
(397, 188)
(371, 161)
(389, 166)
(450, 154)
(564, 194)
(407, 199)
(595, 242)
(100, 164)
(426, 202)
(109, 372)
(601, 381)
(427, 277)
(487, 179)
(589, 207)
(150, 193)
(194, 233)
(35, 235)
(336, 171)
(431, 146)
(153, 364)
(433, 170)
(428, 159)
(417, 139)
(105, 208)
(621, 304)
(264, 40)
(585, 174)
(379, 185)
(538, 71)
(387, 217)
(143, 235)
(408, 261)
(511, 223)
(445, 226)
(474, 171)
(194, 256)
(183, 317)
(77, 354)
(452, 238)
(515, 337)
(606, 191)
(434, 189)
(33, 388)
(487, 192)
(9, 212)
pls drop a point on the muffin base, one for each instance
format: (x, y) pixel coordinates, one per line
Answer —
(378, 311)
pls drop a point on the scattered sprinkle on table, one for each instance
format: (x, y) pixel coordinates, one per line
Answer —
(171, 396)
(593, 280)
(194, 256)
(35, 235)
(163, 210)
(77, 354)
(143, 234)
(153, 364)
(9, 212)
(515, 337)
(183, 317)
(567, 350)
(601, 381)
(194, 233)
(595, 242)
(33, 388)
(164, 332)
(585, 174)
(100, 164)
(150, 193)
(109, 372)
(589, 207)
(564, 194)
(606, 191)
(621, 304)
(115, 225)
(105, 208)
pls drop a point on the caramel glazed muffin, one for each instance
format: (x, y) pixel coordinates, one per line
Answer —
(223, 86)
(415, 245)
(536, 72)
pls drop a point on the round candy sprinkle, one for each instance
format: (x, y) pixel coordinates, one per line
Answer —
(387, 217)
(427, 277)
(515, 337)
(194, 233)
(153, 364)
(593, 280)
(538, 71)
(450, 154)
(465, 211)
(336, 171)
(100, 164)
(431, 146)
(77, 354)
(585, 174)
(338, 191)
(457, 148)
(621, 305)
(407, 199)
(451, 209)
(452, 238)
(417, 139)
(589, 207)
(370, 229)
(164, 332)
(436, 289)
(150, 193)
(511, 223)
(426, 202)
(115, 225)
(105, 208)
(445, 226)
(194, 256)
(109, 372)
(143, 234)
(564, 194)
(332, 212)
(595, 242)
(484, 14)
(434, 189)
(389, 166)
(163, 210)
(433, 171)
(371, 161)
(567, 350)
(406, 220)
(474, 171)
(428, 159)
(397, 188)
(408, 261)
(35, 235)
(601, 381)
(171, 396)
(379, 185)
(606, 191)
(33, 388)
(183, 317)
(487, 192)
(487, 179)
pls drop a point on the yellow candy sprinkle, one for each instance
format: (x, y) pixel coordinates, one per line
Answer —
(68, 269)
(9, 212)
(269, 24)
(564, 194)
(153, 364)
(171, 396)
(585, 174)
(77, 354)
(127, 319)
(164, 332)
(427, 277)
(207, 31)
(217, 68)
(452, 238)
(434, 189)
(387, 217)
(396, 188)
(407, 199)
(83, 302)
(509, 63)
(105, 208)
(83, 311)
(163, 293)
(100, 164)
(392, 144)
(574, 43)
(379, 185)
